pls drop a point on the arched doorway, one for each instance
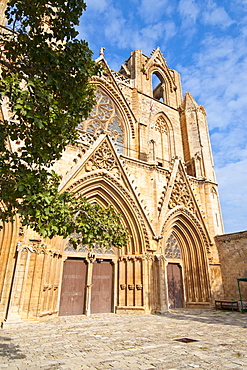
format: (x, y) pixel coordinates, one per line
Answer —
(174, 273)
(185, 251)
(174, 285)
(114, 278)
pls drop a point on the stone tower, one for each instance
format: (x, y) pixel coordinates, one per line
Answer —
(145, 150)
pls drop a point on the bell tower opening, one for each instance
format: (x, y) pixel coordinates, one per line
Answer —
(158, 87)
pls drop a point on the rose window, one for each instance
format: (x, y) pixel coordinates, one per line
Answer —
(105, 119)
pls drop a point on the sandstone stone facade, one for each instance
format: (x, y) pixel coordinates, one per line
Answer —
(146, 151)
(3, 5)
(232, 250)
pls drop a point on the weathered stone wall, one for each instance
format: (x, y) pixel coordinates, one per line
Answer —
(3, 5)
(232, 250)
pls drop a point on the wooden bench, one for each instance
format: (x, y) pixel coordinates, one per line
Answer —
(226, 305)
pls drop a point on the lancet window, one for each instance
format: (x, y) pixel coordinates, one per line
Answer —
(162, 138)
(159, 87)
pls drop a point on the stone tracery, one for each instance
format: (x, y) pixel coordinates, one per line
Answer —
(105, 118)
(161, 125)
(172, 249)
(103, 158)
(181, 196)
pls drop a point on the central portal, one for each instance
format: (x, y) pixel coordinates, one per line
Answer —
(76, 287)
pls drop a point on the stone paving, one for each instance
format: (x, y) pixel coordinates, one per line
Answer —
(121, 342)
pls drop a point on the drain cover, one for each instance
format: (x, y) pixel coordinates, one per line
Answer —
(186, 340)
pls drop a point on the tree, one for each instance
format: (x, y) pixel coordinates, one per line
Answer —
(45, 77)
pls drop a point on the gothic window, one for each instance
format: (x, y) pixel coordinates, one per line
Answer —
(161, 125)
(172, 249)
(162, 138)
(105, 119)
(157, 85)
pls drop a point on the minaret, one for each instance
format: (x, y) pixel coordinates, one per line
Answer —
(3, 5)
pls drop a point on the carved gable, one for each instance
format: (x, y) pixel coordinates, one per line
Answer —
(178, 193)
(101, 156)
(158, 63)
(181, 194)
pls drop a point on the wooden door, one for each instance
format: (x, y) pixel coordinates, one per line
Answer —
(175, 290)
(102, 288)
(73, 287)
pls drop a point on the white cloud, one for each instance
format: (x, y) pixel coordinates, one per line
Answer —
(153, 11)
(216, 15)
(124, 34)
(229, 147)
(189, 12)
(232, 187)
(218, 79)
(98, 6)
(114, 27)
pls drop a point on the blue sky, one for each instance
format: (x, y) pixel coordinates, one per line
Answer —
(206, 42)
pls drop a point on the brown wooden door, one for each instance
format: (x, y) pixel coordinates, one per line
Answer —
(102, 289)
(73, 287)
(175, 291)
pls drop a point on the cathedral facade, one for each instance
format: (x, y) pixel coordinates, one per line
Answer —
(146, 151)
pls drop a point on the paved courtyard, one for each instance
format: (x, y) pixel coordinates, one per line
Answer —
(142, 342)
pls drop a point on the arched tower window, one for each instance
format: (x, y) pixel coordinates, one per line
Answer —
(105, 119)
(157, 86)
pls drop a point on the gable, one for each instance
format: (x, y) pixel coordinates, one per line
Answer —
(100, 156)
(178, 193)
(157, 64)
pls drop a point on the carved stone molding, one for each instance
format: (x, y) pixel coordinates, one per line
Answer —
(180, 195)
(37, 248)
(50, 287)
(126, 195)
(103, 158)
(149, 257)
(121, 78)
(195, 221)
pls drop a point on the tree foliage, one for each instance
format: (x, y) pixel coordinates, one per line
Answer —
(45, 73)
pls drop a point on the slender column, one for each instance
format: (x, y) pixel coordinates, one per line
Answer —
(90, 260)
(163, 286)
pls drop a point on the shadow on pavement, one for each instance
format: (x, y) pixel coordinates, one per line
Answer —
(209, 316)
(9, 350)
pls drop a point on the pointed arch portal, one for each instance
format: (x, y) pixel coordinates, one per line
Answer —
(108, 281)
(192, 261)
